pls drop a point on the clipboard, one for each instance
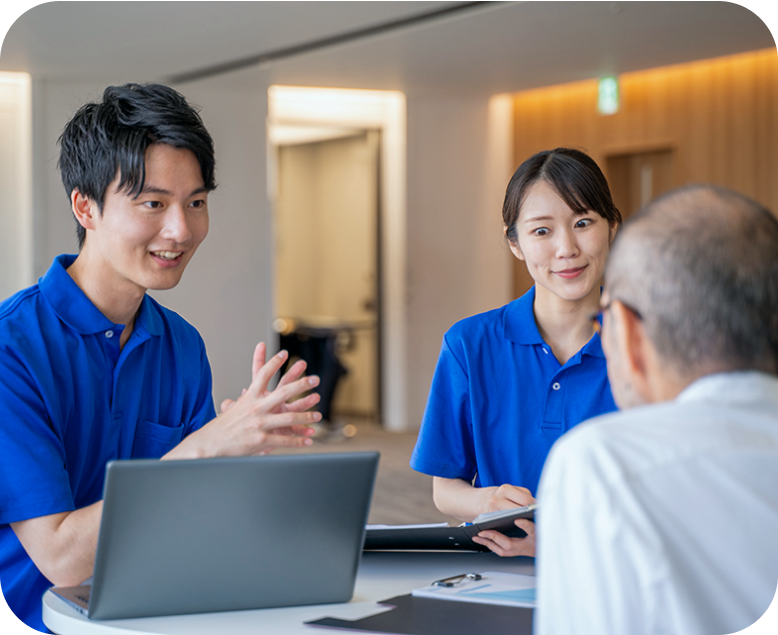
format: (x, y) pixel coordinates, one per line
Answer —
(445, 538)
(489, 587)
(411, 615)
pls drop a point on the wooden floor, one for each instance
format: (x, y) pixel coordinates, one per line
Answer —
(402, 496)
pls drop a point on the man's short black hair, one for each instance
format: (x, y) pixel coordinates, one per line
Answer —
(111, 137)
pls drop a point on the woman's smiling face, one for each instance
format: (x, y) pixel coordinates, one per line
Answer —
(565, 252)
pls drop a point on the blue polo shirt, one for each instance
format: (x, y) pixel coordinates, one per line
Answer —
(499, 399)
(71, 400)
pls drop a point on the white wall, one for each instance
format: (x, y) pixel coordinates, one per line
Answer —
(53, 104)
(457, 261)
(227, 290)
(15, 183)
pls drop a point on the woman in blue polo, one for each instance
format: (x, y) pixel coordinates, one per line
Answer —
(511, 381)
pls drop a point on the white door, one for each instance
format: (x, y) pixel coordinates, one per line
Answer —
(327, 254)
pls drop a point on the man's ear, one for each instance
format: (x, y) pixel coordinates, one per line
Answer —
(634, 349)
(84, 209)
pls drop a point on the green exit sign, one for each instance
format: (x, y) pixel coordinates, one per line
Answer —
(608, 96)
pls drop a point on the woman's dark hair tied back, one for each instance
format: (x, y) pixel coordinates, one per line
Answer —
(573, 174)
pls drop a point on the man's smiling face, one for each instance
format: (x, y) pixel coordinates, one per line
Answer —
(146, 242)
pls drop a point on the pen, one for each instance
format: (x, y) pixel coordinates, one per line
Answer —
(456, 579)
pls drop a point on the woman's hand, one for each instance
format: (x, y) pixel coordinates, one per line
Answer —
(507, 547)
(458, 498)
(506, 497)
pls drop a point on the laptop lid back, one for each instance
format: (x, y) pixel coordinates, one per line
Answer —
(230, 533)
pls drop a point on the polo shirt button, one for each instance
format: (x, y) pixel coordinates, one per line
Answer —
(109, 334)
(556, 385)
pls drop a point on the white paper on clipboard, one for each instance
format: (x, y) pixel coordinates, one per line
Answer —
(507, 589)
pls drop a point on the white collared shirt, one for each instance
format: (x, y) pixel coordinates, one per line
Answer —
(664, 518)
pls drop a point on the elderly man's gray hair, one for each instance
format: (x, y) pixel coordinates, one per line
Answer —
(700, 265)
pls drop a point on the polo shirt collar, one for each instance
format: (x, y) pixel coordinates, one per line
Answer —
(76, 310)
(593, 347)
(519, 321)
(149, 317)
(519, 326)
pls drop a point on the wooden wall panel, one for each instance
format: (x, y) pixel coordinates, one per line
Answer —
(719, 117)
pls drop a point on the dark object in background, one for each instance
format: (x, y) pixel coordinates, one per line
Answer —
(318, 347)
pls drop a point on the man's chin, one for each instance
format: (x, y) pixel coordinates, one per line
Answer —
(164, 284)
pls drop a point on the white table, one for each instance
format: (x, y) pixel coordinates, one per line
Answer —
(382, 575)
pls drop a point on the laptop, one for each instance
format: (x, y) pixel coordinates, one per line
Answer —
(226, 534)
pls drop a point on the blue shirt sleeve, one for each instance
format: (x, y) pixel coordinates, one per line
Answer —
(72, 399)
(445, 445)
(33, 467)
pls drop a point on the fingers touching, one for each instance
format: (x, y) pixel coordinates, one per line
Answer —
(261, 419)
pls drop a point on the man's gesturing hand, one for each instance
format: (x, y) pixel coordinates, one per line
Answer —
(260, 420)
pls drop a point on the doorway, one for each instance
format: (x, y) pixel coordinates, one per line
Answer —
(327, 273)
(297, 112)
(637, 177)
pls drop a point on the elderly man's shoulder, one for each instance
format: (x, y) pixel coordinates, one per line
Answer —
(614, 444)
(620, 426)
(727, 413)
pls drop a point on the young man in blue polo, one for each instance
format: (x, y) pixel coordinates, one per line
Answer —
(93, 369)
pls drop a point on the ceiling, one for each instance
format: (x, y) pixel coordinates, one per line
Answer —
(488, 48)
